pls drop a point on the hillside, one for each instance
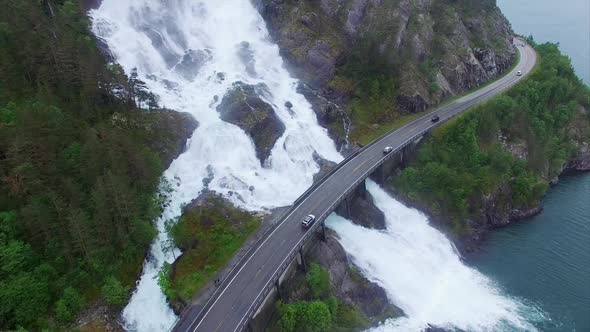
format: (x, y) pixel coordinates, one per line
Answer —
(380, 60)
(80, 162)
(493, 165)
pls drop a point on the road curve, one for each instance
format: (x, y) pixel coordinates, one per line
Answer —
(231, 305)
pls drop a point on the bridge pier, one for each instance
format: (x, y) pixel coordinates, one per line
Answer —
(278, 288)
(323, 231)
(344, 208)
(301, 260)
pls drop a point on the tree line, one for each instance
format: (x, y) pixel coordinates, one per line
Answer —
(77, 193)
(466, 159)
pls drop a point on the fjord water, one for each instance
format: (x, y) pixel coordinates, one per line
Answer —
(546, 259)
(423, 274)
(564, 22)
(190, 53)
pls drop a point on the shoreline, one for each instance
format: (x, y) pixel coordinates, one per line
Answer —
(471, 244)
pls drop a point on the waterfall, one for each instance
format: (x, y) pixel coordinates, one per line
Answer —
(190, 53)
(423, 274)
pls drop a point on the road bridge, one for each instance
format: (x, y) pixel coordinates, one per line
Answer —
(258, 273)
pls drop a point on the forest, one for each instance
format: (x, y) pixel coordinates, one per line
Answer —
(77, 191)
(466, 159)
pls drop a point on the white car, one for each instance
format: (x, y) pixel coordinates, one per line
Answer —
(387, 149)
(519, 73)
(308, 221)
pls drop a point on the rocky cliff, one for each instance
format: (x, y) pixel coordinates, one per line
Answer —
(399, 56)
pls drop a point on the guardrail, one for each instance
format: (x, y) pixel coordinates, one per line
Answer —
(277, 224)
(287, 260)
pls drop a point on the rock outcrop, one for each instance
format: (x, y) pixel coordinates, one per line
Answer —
(432, 49)
(192, 62)
(244, 107)
(350, 285)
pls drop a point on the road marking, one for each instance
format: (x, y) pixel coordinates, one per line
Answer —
(218, 325)
(499, 85)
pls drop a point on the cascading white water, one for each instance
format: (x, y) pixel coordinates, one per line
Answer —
(189, 53)
(422, 273)
(412, 261)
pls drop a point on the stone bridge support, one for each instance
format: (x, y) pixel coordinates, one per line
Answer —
(344, 209)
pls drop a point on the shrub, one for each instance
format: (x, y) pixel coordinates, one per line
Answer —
(114, 292)
(70, 304)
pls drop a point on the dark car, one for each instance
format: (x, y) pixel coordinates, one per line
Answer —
(435, 118)
(308, 221)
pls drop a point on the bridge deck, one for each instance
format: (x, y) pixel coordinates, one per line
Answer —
(241, 292)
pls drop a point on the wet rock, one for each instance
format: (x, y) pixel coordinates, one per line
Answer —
(365, 213)
(243, 107)
(90, 4)
(325, 166)
(246, 55)
(192, 62)
(349, 284)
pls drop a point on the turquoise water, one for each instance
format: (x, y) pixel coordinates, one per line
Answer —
(565, 21)
(545, 260)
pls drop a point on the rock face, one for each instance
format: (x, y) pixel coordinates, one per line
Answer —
(365, 213)
(431, 48)
(243, 107)
(349, 285)
(580, 131)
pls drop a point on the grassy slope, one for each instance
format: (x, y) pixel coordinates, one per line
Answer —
(210, 236)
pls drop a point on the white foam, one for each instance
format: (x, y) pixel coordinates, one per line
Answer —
(422, 274)
(152, 36)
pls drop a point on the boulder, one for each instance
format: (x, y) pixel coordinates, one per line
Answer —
(192, 62)
(325, 166)
(243, 107)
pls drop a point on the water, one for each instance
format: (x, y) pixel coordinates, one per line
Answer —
(546, 259)
(422, 273)
(566, 22)
(226, 39)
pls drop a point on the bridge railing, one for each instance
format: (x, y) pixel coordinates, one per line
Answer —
(283, 266)
(287, 261)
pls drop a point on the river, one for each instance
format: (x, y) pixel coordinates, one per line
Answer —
(546, 259)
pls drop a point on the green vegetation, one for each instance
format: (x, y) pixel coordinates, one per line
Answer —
(209, 235)
(76, 191)
(321, 311)
(465, 161)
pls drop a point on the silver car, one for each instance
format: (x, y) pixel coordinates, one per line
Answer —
(387, 149)
(308, 221)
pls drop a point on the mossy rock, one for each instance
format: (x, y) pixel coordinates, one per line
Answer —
(243, 107)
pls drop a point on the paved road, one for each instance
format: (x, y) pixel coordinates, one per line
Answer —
(229, 308)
